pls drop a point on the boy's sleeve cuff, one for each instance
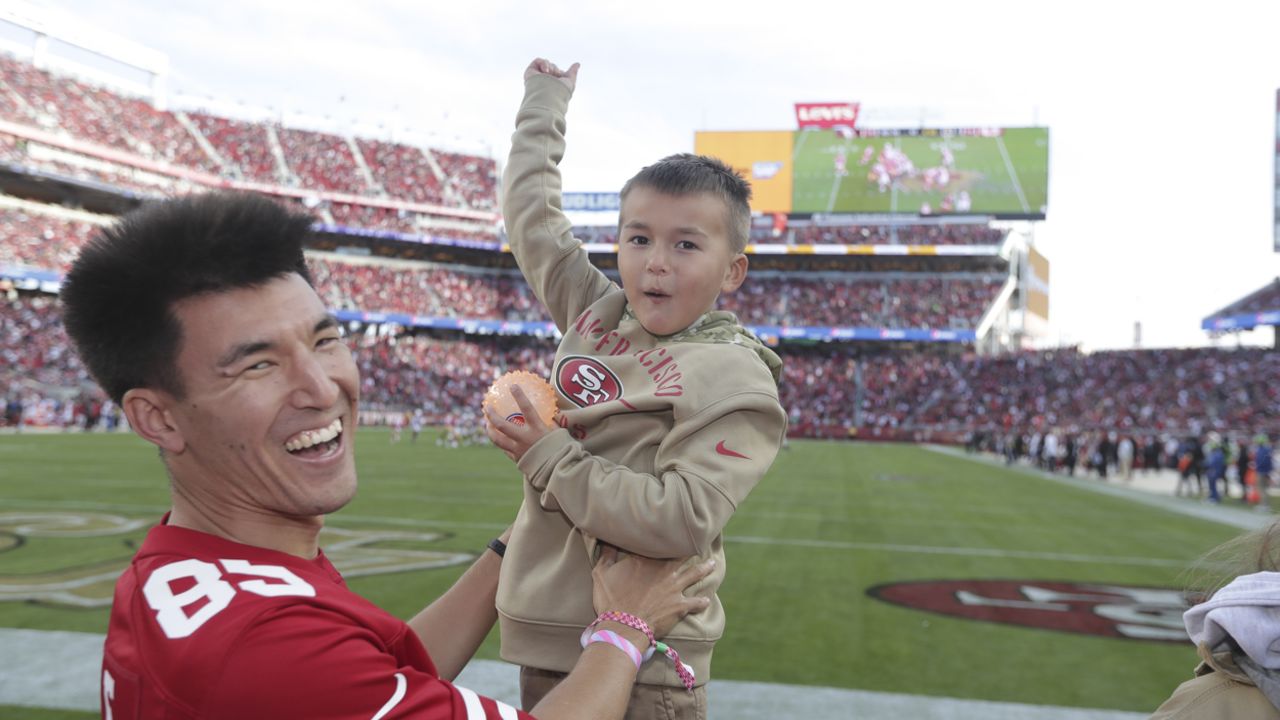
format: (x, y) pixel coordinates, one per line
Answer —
(542, 455)
(546, 91)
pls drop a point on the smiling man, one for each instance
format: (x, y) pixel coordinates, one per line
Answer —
(197, 315)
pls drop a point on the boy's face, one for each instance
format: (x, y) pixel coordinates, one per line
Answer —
(674, 257)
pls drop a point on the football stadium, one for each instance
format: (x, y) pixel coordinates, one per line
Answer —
(967, 518)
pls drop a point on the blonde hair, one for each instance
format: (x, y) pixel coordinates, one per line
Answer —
(1252, 552)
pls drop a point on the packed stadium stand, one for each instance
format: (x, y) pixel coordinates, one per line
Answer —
(71, 128)
(242, 147)
(897, 235)
(1259, 308)
(866, 317)
(830, 390)
(402, 171)
(1265, 299)
(806, 233)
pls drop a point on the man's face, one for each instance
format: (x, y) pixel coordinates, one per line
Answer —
(674, 257)
(269, 415)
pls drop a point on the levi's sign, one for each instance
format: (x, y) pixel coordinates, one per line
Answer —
(826, 115)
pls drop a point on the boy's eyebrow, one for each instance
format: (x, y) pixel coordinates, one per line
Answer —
(687, 230)
(243, 350)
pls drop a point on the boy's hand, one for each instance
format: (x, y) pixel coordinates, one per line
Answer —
(514, 439)
(540, 66)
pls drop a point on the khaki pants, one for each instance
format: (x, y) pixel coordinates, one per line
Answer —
(648, 702)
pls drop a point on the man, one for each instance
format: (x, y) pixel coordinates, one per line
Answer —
(198, 317)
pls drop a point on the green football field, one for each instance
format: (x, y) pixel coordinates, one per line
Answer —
(1005, 175)
(831, 521)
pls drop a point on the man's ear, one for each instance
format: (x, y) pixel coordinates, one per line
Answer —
(736, 274)
(149, 416)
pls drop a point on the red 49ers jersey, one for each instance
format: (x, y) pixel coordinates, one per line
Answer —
(202, 627)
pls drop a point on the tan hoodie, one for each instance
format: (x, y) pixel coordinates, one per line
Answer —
(661, 438)
(1220, 690)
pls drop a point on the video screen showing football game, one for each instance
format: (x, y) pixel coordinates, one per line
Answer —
(998, 171)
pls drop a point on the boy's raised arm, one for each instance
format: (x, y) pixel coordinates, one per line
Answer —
(551, 259)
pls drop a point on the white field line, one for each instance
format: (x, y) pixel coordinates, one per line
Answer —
(59, 670)
(795, 151)
(835, 182)
(835, 190)
(975, 552)
(422, 523)
(1013, 174)
(339, 518)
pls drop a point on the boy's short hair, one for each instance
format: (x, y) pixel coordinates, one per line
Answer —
(118, 296)
(687, 174)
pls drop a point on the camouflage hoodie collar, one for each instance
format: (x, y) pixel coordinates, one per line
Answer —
(721, 326)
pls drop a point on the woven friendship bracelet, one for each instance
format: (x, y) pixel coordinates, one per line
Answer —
(616, 640)
(683, 669)
(630, 621)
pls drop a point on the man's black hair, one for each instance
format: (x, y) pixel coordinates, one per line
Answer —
(118, 296)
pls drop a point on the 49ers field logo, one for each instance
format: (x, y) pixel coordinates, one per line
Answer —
(1118, 611)
(587, 381)
(62, 581)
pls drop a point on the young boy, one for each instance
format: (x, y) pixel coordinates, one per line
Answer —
(669, 411)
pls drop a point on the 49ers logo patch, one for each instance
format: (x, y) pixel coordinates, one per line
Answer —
(586, 381)
(1117, 611)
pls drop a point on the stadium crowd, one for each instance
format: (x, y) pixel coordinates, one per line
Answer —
(402, 171)
(243, 147)
(830, 390)
(1266, 299)
(1173, 389)
(1212, 466)
(441, 291)
(889, 301)
(953, 301)
(261, 151)
(84, 111)
(805, 234)
(426, 290)
(896, 235)
(40, 241)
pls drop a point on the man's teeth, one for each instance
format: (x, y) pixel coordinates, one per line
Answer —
(309, 438)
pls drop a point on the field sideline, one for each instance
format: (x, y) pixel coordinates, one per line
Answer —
(831, 522)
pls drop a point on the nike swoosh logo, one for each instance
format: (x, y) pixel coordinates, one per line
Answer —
(396, 697)
(720, 448)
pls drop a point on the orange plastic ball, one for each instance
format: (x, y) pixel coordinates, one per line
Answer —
(539, 392)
